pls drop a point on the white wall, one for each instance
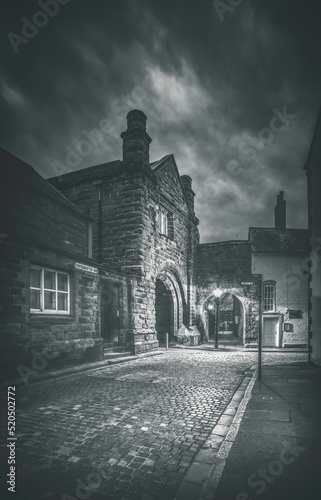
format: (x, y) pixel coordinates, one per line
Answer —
(291, 290)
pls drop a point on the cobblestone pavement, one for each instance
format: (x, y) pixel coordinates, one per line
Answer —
(126, 431)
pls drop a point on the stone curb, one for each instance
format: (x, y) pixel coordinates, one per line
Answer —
(74, 370)
(210, 486)
(226, 347)
(204, 474)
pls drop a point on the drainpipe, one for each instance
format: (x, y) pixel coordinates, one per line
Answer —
(99, 224)
(260, 330)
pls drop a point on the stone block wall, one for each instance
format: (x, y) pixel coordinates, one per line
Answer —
(36, 342)
(228, 261)
(226, 265)
(123, 203)
(313, 172)
(43, 229)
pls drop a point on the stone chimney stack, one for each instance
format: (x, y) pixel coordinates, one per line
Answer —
(187, 183)
(280, 212)
(136, 141)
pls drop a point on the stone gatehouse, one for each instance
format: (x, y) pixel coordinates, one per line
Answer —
(144, 226)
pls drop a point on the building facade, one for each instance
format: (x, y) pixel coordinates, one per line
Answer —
(279, 255)
(49, 301)
(313, 171)
(227, 266)
(144, 225)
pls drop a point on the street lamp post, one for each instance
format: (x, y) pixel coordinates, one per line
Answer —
(217, 294)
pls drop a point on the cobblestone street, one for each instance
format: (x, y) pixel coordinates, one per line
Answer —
(125, 431)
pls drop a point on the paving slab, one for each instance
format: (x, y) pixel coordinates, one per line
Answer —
(277, 415)
(276, 454)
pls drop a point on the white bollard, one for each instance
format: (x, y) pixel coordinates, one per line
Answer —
(166, 341)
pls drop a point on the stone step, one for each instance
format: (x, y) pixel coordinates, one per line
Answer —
(114, 349)
(122, 360)
(116, 355)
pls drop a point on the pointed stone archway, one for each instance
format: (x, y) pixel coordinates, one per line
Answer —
(170, 306)
(246, 304)
(231, 320)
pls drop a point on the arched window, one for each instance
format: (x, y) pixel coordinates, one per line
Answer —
(269, 301)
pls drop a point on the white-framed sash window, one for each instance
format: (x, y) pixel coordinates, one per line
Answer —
(49, 291)
(269, 298)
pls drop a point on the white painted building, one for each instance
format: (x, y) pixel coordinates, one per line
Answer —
(280, 255)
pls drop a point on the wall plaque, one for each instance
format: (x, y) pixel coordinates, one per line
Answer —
(83, 267)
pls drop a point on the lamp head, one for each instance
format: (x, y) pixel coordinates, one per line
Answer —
(218, 292)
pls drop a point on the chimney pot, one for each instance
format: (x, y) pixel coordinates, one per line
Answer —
(280, 212)
(136, 141)
(187, 183)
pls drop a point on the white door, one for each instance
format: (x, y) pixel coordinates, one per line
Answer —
(270, 332)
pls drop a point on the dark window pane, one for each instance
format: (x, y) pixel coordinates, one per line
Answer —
(62, 302)
(35, 275)
(34, 299)
(62, 282)
(50, 300)
(50, 280)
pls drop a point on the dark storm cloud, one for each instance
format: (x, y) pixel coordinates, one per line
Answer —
(210, 89)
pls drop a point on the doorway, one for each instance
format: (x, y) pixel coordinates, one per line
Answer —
(271, 331)
(164, 313)
(110, 312)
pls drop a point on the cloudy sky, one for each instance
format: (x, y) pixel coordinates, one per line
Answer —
(231, 88)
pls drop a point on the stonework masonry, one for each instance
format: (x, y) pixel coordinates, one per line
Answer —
(313, 172)
(42, 230)
(125, 201)
(227, 265)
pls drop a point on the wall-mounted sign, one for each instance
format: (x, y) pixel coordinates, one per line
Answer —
(89, 269)
(245, 283)
(295, 314)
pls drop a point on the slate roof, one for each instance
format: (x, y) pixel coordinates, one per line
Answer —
(93, 173)
(16, 172)
(106, 170)
(271, 240)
